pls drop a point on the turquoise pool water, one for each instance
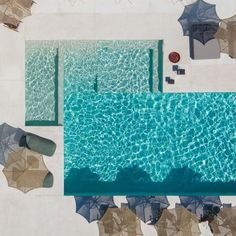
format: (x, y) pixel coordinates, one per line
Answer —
(122, 136)
(156, 133)
(120, 125)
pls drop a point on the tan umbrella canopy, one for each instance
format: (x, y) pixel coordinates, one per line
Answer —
(226, 36)
(11, 22)
(13, 11)
(177, 222)
(25, 170)
(224, 223)
(27, 4)
(119, 222)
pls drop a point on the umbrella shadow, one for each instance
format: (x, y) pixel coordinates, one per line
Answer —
(133, 180)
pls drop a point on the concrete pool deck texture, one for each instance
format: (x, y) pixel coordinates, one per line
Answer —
(47, 211)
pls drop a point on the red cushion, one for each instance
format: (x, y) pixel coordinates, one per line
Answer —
(174, 57)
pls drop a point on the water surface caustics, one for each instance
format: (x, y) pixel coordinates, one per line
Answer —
(113, 121)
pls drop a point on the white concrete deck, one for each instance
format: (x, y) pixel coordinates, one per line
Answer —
(45, 211)
(139, 20)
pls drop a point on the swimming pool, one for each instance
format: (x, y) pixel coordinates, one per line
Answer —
(162, 137)
(122, 136)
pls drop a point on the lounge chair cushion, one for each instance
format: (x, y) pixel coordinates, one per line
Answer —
(48, 181)
(38, 144)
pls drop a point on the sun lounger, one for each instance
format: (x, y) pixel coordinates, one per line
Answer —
(198, 51)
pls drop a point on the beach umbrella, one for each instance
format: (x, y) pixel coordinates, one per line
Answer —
(147, 208)
(11, 22)
(26, 4)
(9, 141)
(26, 170)
(93, 208)
(224, 224)
(226, 36)
(177, 222)
(200, 21)
(119, 222)
(202, 206)
(13, 11)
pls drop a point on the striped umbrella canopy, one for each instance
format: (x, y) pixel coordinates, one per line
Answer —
(26, 170)
(226, 36)
(9, 141)
(147, 208)
(93, 208)
(200, 20)
(198, 204)
(224, 224)
(119, 222)
(177, 222)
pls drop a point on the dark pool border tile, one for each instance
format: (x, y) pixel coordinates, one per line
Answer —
(160, 65)
(135, 181)
(41, 123)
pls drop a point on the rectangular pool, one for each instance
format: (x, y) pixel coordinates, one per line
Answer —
(122, 136)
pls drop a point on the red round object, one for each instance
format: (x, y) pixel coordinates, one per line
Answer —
(174, 57)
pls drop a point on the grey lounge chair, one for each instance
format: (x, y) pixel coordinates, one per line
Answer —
(198, 51)
(38, 144)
